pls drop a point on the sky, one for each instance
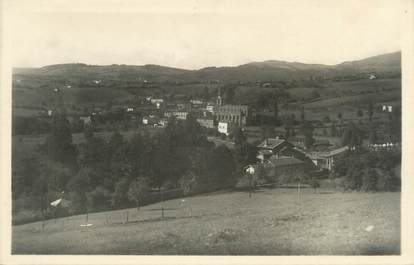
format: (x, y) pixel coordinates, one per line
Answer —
(193, 34)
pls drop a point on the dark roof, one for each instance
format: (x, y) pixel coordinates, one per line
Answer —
(271, 143)
(285, 161)
(265, 152)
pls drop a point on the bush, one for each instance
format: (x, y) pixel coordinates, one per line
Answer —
(119, 197)
(370, 171)
(369, 180)
(99, 199)
(314, 183)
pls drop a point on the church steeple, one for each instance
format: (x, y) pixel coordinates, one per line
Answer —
(219, 101)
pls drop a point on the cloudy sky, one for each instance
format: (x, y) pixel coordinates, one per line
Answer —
(193, 34)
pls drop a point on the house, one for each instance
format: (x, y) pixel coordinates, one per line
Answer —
(284, 169)
(163, 122)
(327, 159)
(210, 108)
(148, 120)
(156, 100)
(225, 127)
(179, 114)
(85, 119)
(183, 106)
(145, 120)
(387, 108)
(278, 147)
(206, 122)
(196, 102)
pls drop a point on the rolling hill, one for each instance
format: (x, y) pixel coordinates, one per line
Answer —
(81, 83)
(255, 71)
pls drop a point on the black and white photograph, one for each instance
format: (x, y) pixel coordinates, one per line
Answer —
(206, 128)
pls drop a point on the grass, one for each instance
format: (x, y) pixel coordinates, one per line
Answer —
(272, 222)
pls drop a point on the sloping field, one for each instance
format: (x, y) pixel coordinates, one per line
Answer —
(272, 222)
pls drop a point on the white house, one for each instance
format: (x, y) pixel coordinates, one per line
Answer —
(224, 127)
(156, 100)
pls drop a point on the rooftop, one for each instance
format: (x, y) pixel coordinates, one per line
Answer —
(285, 161)
(328, 153)
(271, 143)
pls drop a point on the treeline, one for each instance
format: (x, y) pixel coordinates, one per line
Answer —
(99, 175)
(365, 170)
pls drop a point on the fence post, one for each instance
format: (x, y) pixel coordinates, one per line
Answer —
(127, 216)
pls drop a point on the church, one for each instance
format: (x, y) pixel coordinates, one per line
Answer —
(234, 114)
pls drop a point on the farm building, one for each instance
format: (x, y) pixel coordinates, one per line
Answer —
(206, 122)
(85, 119)
(284, 169)
(327, 159)
(180, 115)
(225, 127)
(277, 147)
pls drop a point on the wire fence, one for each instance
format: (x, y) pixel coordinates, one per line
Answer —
(159, 212)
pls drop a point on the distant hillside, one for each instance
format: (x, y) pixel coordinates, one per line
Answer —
(98, 72)
(387, 63)
(123, 84)
(251, 72)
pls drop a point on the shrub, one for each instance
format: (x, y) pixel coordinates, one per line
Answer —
(99, 199)
(369, 180)
(314, 183)
(119, 197)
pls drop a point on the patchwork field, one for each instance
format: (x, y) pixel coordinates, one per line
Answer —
(271, 222)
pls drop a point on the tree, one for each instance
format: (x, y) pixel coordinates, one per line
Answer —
(59, 144)
(120, 195)
(229, 94)
(245, 153)
(302, 114)
(360, 113)
(307, 130)
(99, 198)
(40, 190)
(314, 184)
(137, 190)
(79, 186)
(268, 132)
(276, 112)
(370, 111)
(340, 115)
(222, 166)
(393, 127)
(353, 137)
(315, 94)
(373, 137)
(369, 180)
(206, 94)
(334, 131)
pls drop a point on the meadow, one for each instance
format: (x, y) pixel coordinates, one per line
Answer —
(271, 222)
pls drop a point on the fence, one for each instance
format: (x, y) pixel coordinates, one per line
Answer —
(159, 212)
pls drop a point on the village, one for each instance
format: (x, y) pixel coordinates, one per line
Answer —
(277, 147)
(205, 128)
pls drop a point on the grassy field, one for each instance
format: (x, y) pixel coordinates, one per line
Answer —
(272, 222)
